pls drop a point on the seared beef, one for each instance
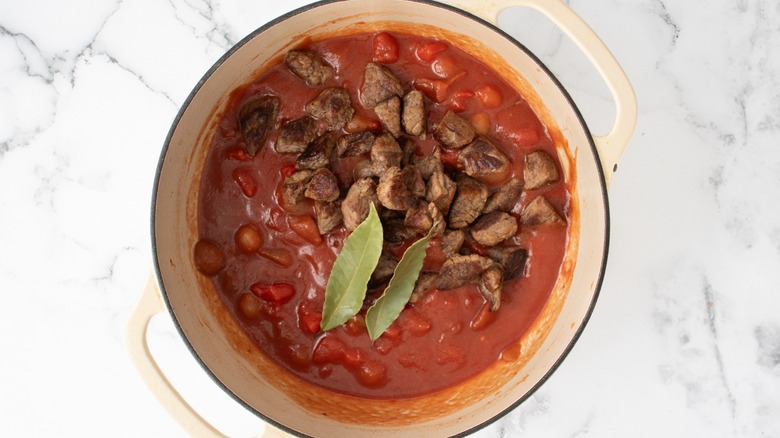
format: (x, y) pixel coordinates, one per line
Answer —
(328, 215)
(506, 197)
(323, 186)
(440, 190)
(469, 201)
(393, 192)
(294, 186)
(379, 84)
(540, 212)
(539, 170)
(409, 152)
(385, 153)
(363, 169)
(454, 131)
(439, 224)
(257, 118)
(422, 216)
(482, 159)
(354, 144)
(356, 204)
(414, 181)
(425, 282)
(511, 258)
(490, 285)
(396, 231)
(413, 117)
(296, 134)
(459, 270)
(309, 67)
(452, 241)
(429, 164)
(389, 113)
(383, 271)
(317, 154)
(493, 228)
(334, 105)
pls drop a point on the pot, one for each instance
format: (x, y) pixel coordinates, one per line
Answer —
(228, 355)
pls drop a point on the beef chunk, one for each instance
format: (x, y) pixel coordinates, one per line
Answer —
(294, 186)
(389, 113)
(490, 285)
(334, 105)
(506, 197)
(425, 282)
(296, 134)
(413, 116)
(440, 190)
(385, 153)
(493, 228)
(356, 204)
(358, 143)
(469, 201)
(511, 258)
(430, 164)
(328, 215)
(257, 119)
(540, 212)
(439, 224)
(383, 271)
(379, 84)
(363, 169)
(323, 186)
(459, 270)
(309, 67)
(539, 170)
(396, 231)
(410, 152)
(482, 159)
(452, 241)
(393, 192)
(423, 216)
(414, 181)
(317, 154)
(454, 131)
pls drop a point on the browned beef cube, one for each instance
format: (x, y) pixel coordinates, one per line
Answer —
(425, 282)
(389, 113)
(493, 228)
(452, 241)
(469, 201)
(459, 270)
(482, 159)
(392, 190)
(294, 186)
(540, 212)
(323, 186)
(328, 215)
(379, 84)
(296, 134)
(414, 181)
(423, 216)
(257, 119)
(430, 164)
(490, 285)
(413, 115)
(539, 170)
(354, 144)
(385, 153)
(317, 154)
(395, 231)
(363, 169)
(439, 223)
(506, 197)
(383, 271)
(333, 105)
(454, 131)
(309, 67)
(511, 258)
(441, 191)
(356, 204)
(410, 152)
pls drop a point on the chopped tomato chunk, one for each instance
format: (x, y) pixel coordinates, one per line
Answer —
(489, 96)
(305, 227)
(428, 52)
(385, 48)
(288, 170)
(245, 181)
(309, 319)
(279, 256)
(329, 349)
(276, 293)
(483, 318)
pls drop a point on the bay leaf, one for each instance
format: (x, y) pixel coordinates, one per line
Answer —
(388, 307)
(346, 288)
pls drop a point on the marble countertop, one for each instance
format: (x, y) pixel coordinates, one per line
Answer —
(684, 341)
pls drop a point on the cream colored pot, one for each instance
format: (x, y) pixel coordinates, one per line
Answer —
(229, 356)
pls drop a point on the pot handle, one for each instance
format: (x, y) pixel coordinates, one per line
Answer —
(149, 305)
(610, 146)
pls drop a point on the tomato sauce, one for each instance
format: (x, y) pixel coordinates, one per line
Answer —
(276, 292)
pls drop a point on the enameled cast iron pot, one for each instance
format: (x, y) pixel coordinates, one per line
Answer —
(228, 355)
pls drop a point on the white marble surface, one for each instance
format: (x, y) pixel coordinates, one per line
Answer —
(685, 339)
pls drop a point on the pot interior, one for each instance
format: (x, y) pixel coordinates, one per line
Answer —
(230, 356)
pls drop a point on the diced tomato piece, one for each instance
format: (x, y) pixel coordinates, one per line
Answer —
(354, 357)
(288, 170)
(446, 67)
(434, 89)
(434, 256)
(414, 323)
(309, 319)
(360, 123)
(298, 355)
(483, 318)
(449, 158)
(355, 326)
(276, 293)
(281, 257)
(520, 124)
(385, 48)
(245, 181)
(475, 247)
(238, 154)
(328, 349)
(392, 332)
(305, 227)
(458, 99)
(489, 96)
(372, 373)
(427, 52)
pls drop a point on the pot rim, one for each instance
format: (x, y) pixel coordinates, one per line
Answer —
(196, 89)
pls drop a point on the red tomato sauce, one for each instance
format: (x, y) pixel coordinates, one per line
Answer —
(441, 340)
